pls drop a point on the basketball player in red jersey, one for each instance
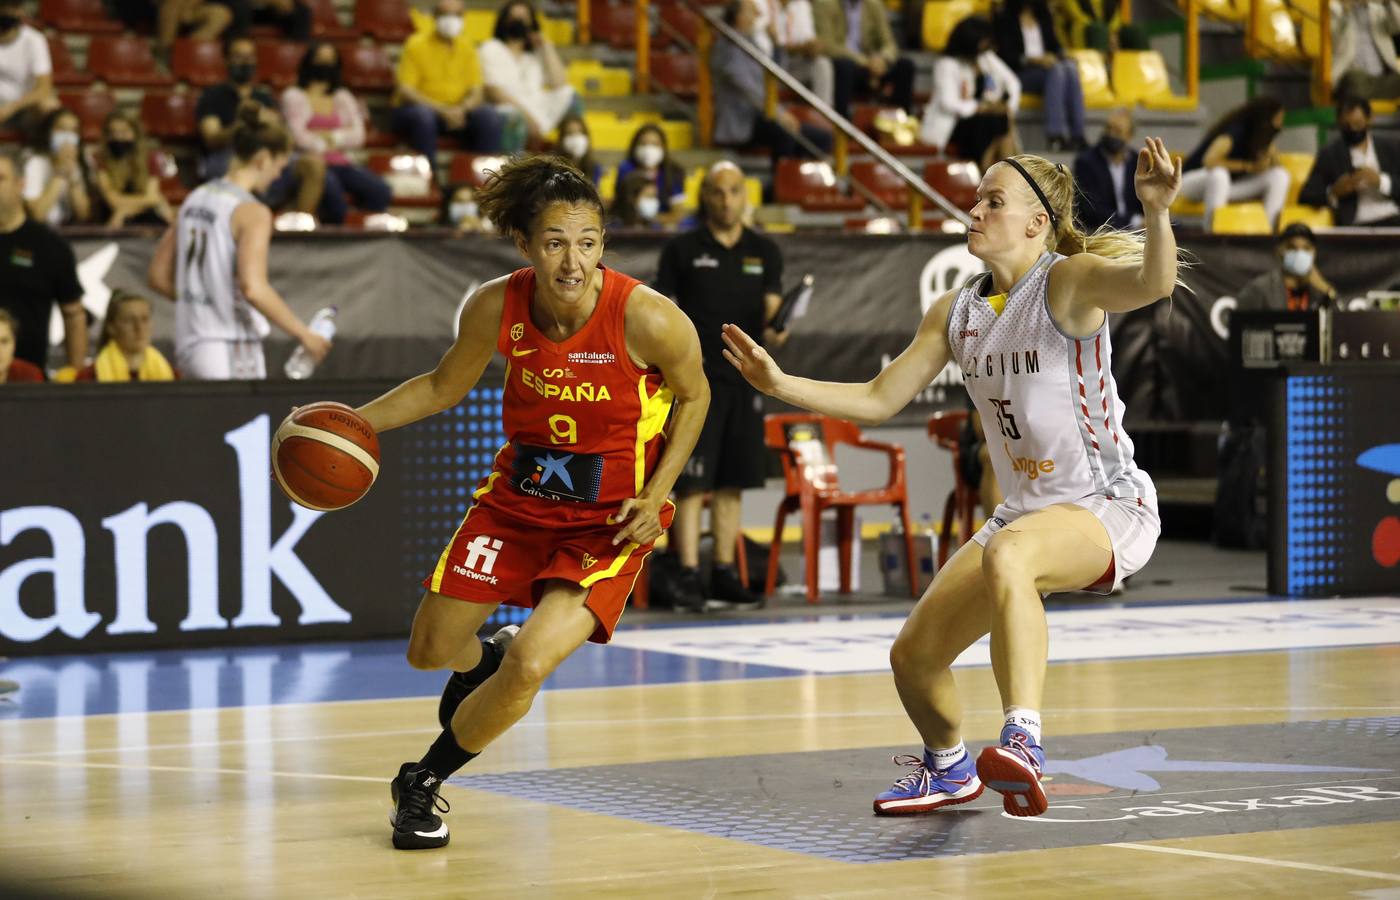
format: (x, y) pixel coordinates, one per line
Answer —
(595, 364)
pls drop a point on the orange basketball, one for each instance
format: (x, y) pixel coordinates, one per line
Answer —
(325, 456)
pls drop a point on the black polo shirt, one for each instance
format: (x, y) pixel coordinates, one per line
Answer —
(37, 270)
(715, 284)
(222, 101)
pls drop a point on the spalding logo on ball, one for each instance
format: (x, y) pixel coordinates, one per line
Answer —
(325, 456)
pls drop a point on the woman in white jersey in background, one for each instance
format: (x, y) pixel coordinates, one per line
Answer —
(213, 263)
(1031, 337)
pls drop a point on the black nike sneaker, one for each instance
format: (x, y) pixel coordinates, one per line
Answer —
(460, 684)
(417, 825)
(728, 592)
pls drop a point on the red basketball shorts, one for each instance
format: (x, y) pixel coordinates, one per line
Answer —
(498, 557)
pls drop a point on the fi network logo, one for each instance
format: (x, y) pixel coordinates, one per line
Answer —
(481, 558)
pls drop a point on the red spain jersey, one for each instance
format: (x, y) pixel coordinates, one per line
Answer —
(583, 421)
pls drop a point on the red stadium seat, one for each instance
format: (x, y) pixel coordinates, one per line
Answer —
(125, 61)
(65, 73)
(78, 16)
(813, 185)
(678, 73)
(201, 63)
(386, 20)
(955, 180)
(278, 62)
(474, 170)
(168, 116)
(325, 22)
(366, 67)
(881, 180)
(409, 176)
(677, 22)
(615, 23)
(91, 108)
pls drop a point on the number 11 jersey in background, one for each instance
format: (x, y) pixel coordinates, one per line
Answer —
(209, 303)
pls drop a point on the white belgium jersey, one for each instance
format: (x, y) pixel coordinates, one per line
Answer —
(1050, 408)
(209, 304)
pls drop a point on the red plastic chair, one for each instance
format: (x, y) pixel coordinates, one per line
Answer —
(65, 73)
(410, 177)
(812, 185)
(813, 487)
(201, 63)
(944, 429)
(677, 22)
(366, 67)
(955, 180)
(325, 22)
(615, 23)
(79, 16)
(678, 73)
(91, 108)
(882, 181)
(125, 61)
(386, 20)
(278, 62)
(168, 116)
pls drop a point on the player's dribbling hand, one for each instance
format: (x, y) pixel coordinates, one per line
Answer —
(1158, 176)
(643, 520)
(752, 361)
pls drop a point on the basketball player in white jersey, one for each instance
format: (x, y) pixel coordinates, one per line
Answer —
(213, 263)
(1031, 337)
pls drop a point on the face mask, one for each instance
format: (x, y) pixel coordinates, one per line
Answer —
(1354, 137)
(1297, 262)
(516, 30)
(1111, 145)
(8, 22)
(457, 212)
(576, 145)
(242, 73)
(449, 26)
(326, 73)
(60, 139)
(119, 149)
(650, 156)
(648, 207)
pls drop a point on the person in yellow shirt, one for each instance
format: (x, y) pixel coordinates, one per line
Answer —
(440, 88)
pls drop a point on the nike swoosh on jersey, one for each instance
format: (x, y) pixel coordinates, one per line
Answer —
(516, 351)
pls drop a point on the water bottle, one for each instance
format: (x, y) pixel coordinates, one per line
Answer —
(300, 365)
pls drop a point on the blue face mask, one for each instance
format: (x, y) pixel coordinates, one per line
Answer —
(1297, 262)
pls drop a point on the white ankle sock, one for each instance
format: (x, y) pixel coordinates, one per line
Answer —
(943, 760)
(1028, 720)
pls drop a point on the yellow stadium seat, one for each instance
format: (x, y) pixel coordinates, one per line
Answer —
(940, 16)
(754, 188)
(679, 135)
(1229, 10)
(1315, 217)
(1385, 107)
(1093, 78)
(613, 130)
(1032, 101)
(1140, 76)
(560, 31)
(1189, 209)
(1298, 166)
(478, 24)
(1279, 37)
(607, 184)
(593, 79)
(1241, 218)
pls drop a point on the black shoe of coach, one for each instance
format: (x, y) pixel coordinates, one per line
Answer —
(726, 587)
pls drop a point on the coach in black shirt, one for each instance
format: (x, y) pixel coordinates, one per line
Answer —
(722, 272)
(37, 270)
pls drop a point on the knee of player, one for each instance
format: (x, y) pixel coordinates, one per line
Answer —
(524, 671)
(422, 654)
(1005, 558)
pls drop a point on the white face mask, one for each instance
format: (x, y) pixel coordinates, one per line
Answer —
(467, 209)
(1297, 262)
(650, 155)
(576, 145)
(60, 139)
(648, 207)
(449, 26)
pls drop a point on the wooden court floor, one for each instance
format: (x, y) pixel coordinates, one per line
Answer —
(291, 800)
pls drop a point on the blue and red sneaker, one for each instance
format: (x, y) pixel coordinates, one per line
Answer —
(1012, 769)
(926, 788)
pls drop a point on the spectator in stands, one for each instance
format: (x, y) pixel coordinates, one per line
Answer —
(650, 154)
(1236, 161)
(14, 370)
(325, 120)
(126, 353)
(799, 49)
(856, 35)
(637, 204)
(440, 89)
(302, 183)
(739, 98)
(576, 145)
(26, 72)
(975, 97)
(130, 193)
(1025, 40)
(1105, 174)
(56, 187)
(460, 210)
(292, 17)
(525, 76)
(1364, 61)
(1358, 172)
(37, 270)
(1296, 285)
(203, 20)
(1097, 25)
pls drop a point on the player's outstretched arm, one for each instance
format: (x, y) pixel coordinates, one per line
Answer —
(457, 372)
(866, 403)
(660, 335)
(1122, 286)
(160, 274)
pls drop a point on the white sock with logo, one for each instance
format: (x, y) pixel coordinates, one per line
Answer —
(943, 760)
(1028, 720)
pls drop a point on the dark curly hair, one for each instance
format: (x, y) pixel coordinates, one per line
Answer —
(514, 197)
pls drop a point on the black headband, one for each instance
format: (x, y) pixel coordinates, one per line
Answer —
(1054, 219)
